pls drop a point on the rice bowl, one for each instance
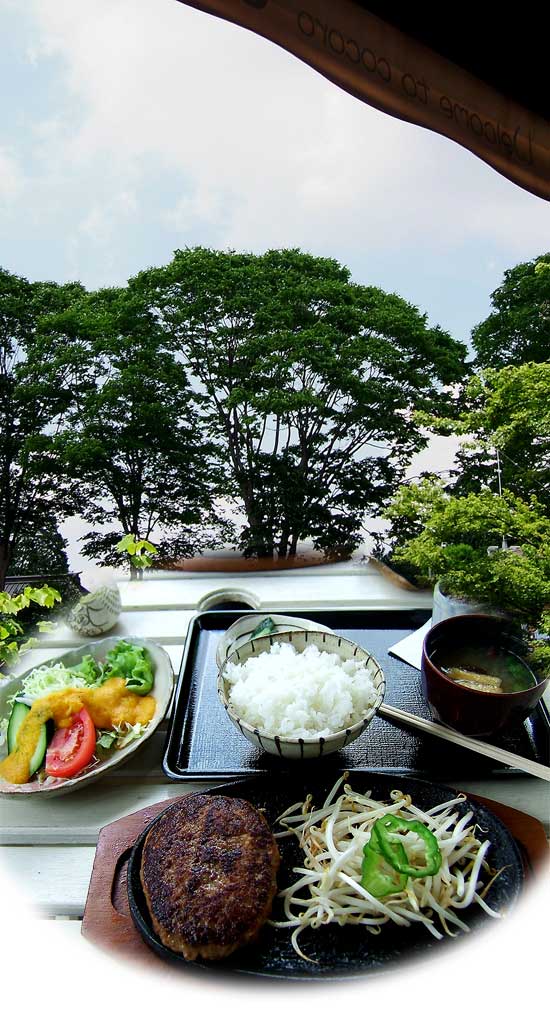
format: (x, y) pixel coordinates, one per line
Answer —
(301, 694)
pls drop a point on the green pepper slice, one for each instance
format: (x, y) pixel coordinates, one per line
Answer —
(394, 851)
(374, 874)
(266, 626)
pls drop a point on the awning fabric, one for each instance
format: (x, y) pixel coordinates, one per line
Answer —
(381, 65)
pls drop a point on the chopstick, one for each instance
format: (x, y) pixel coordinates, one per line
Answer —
(397, 715)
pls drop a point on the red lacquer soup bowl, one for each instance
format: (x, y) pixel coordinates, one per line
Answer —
(479, 644)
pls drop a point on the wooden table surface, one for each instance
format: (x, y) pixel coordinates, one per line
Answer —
(47, 848)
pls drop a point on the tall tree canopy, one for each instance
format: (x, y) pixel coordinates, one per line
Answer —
(133, 443)
(508, 411)
(37, 386)
(306, 380)
(518, 329)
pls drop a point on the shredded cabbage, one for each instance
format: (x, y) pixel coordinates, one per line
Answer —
(120, 736)
(127, 733)
(46, 679)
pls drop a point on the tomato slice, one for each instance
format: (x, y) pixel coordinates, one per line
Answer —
(72, 747)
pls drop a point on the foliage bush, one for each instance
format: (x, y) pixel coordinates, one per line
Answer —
(13, 640)
(456, 533)
(450, 540)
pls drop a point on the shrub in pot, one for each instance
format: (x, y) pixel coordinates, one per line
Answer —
(445, 606)
(487, 550)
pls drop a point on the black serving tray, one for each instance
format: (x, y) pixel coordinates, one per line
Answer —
(202, 743)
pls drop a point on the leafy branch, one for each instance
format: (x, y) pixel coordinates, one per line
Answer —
(12, 630)
(140, 552)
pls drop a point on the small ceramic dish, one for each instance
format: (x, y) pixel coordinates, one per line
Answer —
(301, 747)
(240, 632)
(162, 692)
(476, 713)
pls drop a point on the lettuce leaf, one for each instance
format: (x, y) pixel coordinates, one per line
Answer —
(133, 663)
(90, 671)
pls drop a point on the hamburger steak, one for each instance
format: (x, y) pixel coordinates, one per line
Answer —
(208, 872)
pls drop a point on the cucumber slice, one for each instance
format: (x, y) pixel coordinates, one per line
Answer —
(19, 713)
(40, 752)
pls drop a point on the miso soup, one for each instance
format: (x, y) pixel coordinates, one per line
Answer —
(488, 668)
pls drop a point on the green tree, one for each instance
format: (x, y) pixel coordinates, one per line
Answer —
(134, 443)
(41, 549)
(518, 329)
(37, 386)
(504, 412)
(509, 412)
(411, 507)
(307, 382)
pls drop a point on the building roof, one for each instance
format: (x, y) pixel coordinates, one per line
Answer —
(471, 73)
(507, 52)
(68, 584)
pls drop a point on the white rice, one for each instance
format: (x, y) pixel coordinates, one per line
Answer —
(300, 694)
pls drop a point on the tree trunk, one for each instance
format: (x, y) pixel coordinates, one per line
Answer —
(283, 543)
(5, 553)
(257, 547)
(257, 544)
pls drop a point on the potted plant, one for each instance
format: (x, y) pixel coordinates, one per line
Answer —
(483, 552)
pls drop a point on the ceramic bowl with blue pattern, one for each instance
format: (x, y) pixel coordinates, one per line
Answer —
(302, 747)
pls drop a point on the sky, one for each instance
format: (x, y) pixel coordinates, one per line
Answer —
(136, 127)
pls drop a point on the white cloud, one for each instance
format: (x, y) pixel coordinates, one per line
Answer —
(11, 177)
(100, 222)
(218, 137)
(96, 226)
(206, 204)
(267, 151)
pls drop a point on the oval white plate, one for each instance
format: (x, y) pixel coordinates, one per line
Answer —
(162, 692)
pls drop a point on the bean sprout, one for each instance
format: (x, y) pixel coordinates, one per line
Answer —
(328, 887)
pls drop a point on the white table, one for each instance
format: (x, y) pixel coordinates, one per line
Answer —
(47, 848)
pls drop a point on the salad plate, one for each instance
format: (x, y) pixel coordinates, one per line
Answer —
(161, 690)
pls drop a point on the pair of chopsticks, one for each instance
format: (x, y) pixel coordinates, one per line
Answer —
(397, 715)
